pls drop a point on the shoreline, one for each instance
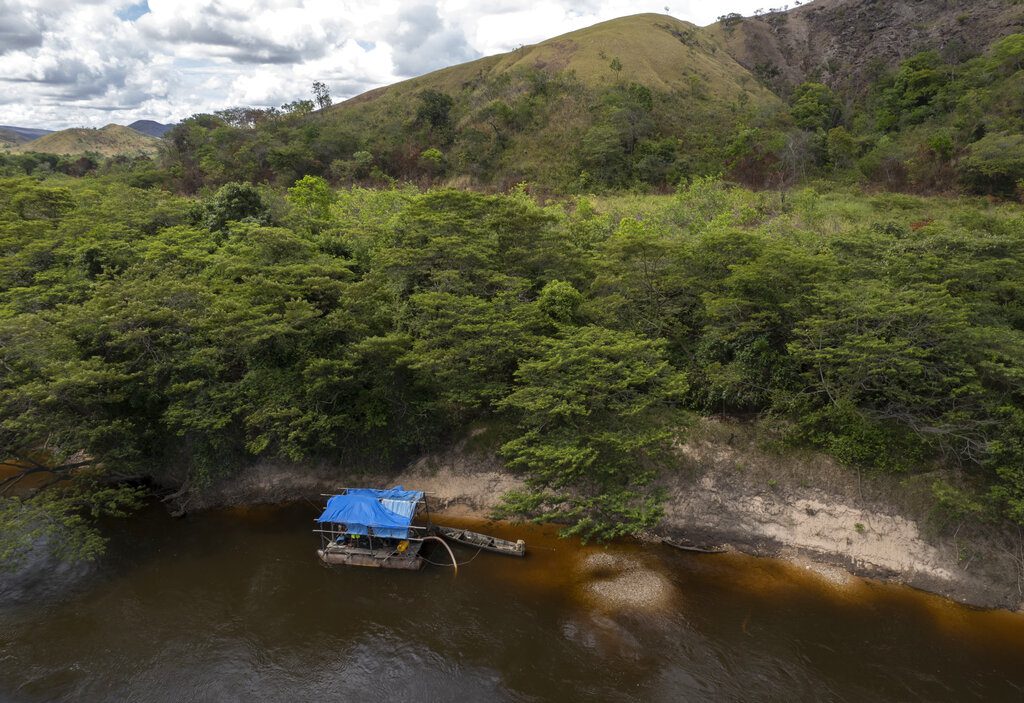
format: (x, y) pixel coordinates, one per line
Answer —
(763, 509)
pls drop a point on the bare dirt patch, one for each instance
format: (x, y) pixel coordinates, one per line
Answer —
(804, 507)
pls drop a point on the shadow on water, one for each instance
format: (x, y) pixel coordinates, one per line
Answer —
(233, 605)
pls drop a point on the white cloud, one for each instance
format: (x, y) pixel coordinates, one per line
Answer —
(89, 62)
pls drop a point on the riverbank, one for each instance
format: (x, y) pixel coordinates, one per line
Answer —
(725, 490)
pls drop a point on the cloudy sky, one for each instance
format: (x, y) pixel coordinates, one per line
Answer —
(70, 63)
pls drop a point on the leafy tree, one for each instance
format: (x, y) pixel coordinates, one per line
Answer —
(641, 280)
(841, 147)
(321, 94)
(601, 152)
(236, 202)
(435, 110)
(899, 358)
(560, 301)
(433, 162)
(755, 158)
(310, 200)
(815, 107)
(742, 357)
(593, 409)
(910, 97)
(994, 164)
(469, 347)
(298, 108)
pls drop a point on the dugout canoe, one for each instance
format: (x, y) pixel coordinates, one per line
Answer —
(482, 541)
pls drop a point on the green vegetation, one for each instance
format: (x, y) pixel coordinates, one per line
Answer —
(639, 119)
(591, 407)
(150, 336)
(245, 295)
(565, 114)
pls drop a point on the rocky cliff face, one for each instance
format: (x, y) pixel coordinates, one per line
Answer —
(845, 43)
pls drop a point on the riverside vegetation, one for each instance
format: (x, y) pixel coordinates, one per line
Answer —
(147, 335)
(246, 295)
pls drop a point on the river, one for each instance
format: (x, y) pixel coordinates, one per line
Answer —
(231, 605)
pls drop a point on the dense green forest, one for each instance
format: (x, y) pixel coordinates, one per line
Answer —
(147, 335)
(290, 284)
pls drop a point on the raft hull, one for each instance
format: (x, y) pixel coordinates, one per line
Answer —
(365, 557)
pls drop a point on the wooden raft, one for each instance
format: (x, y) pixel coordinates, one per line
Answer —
(377, 558)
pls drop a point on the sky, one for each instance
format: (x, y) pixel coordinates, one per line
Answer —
(69, 63)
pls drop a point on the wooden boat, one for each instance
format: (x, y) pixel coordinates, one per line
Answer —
(480, 541)
(688, 546)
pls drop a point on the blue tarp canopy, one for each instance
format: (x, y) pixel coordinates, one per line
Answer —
(387, 512)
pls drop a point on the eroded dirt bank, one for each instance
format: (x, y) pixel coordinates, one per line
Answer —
(805, 508)
(724, 490)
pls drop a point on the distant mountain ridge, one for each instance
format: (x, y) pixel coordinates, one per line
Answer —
(150, 127)
(26, 133)
(112, 140)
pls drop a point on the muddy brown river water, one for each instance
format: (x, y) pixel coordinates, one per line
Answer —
(231, 605)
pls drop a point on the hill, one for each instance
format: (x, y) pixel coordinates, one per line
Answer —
(905, 95)
(112, 140)
(848, 44)
(150, 127)
(26, 133)
(9, 139)
(644, 99)
(657, 51)
(606, 102)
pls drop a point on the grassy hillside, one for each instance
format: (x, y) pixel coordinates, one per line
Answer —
(902, 95)
(9, 139)
(553, 110)
(658, 51)
(645, 99)
(112, 140)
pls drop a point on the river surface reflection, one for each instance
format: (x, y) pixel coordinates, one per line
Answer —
(231, 605)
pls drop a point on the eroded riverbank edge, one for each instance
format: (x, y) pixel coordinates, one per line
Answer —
(800, 507)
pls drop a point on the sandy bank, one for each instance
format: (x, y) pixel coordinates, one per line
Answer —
(802, 508)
